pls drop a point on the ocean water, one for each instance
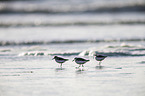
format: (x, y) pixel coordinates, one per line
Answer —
(32, 32)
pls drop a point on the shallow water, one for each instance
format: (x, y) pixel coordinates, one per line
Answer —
(35, 75)
(44, 77)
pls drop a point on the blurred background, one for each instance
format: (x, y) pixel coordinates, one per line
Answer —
(39, 21)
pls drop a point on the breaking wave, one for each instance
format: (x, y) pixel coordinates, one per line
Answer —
(113, 54)
(40, 53)
(121, 50)
(86, 53)
(80, 23)
(8, 43)
(47, 6)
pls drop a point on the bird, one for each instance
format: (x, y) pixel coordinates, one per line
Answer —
(100, 57)
(59, 59)
(80, 61)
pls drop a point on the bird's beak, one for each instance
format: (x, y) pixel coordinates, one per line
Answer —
(52, 58)
(72, 60)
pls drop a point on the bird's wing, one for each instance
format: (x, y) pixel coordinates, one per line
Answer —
(82, 59)
(101, 56)
(60, 58)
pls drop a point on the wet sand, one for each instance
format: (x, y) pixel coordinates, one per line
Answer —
(118, 76)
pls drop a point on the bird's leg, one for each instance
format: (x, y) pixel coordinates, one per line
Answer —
(61, 65)
(100, 63)
(82, 65)
(79, 66)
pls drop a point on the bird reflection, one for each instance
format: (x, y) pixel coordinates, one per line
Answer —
(80, 70)
(99, 67)
(59, 69)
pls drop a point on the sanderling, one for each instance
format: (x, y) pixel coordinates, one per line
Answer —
(99, 57)
(60, 60)
(80, 61)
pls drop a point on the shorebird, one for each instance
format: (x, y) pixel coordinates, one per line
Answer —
(60, 60)
(80, 61)
(99, 57)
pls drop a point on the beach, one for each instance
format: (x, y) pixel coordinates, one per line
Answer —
(33, 32)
